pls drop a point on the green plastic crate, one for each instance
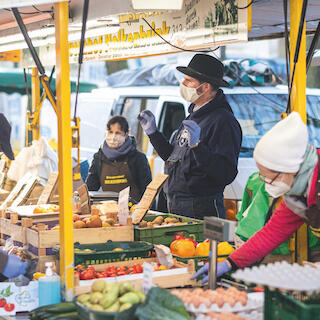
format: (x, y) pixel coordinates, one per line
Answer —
(165, 235)
(103, 252)
(282, 306)
(198, 260)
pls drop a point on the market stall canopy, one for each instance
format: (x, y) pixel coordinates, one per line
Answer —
(12, 81)
(267, 20)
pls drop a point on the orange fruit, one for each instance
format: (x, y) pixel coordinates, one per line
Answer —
(183, 248)
(38, 210)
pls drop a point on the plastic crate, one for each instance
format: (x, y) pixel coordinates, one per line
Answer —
(165, 235)
(282, 306)
(104, 252)
(198, 260)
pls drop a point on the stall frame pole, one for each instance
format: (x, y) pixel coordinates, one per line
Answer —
(61, 17)
(298, 102)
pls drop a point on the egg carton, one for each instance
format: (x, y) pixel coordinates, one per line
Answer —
(251, 315)
(255, 301)
(283, 276)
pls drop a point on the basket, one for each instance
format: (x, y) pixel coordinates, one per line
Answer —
(98, 253)
(283, 306)
(166, 234)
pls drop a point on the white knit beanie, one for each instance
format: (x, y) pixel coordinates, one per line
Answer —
(282, 148)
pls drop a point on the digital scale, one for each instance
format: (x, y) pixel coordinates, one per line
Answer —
(217, 229)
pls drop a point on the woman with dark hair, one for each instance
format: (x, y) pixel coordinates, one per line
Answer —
(118, 164)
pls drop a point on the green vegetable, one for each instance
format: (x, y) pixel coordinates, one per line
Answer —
(64, 316)
(162, 305)
(63, 307)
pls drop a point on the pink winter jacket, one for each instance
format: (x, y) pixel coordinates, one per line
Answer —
(280, 227)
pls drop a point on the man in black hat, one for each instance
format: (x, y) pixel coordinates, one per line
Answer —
(203, 157)
(10, 265)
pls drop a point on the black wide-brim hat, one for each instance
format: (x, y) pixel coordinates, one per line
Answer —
(205, 68)
(5, 133)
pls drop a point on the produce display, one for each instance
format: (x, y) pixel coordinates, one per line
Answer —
(112, 271)
(219, 297)
(51, 209)
(160, 222)
(64, 310)
(224, 315)
(111, 297)
(188, 247)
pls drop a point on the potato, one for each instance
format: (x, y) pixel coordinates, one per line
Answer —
(143, 224)
(79, 224)
(171, 220)
(149, 225)
(110, 221)
(158, 220)
(94, 222)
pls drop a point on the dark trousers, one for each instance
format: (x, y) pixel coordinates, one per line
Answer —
(197, 207)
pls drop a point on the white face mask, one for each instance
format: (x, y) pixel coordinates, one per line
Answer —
(189, 94)
(277, 189)
(115, 141)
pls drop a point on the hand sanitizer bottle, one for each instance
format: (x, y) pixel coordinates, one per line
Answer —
(49, 287)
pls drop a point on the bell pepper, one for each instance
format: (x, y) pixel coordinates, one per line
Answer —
(178, 237)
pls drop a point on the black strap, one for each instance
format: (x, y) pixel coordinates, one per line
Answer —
(271, 209)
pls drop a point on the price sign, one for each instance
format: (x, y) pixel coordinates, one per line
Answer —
(123, 202)
(147, 277)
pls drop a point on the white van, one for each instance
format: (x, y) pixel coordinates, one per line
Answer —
(256, 108)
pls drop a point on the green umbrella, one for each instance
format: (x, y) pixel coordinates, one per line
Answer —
(12, 81)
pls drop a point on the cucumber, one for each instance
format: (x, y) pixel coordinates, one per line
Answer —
(64, 307)
(64, 316)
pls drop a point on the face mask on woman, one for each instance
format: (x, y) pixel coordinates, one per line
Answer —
(277, 188)
(189, 94)
(115, 141)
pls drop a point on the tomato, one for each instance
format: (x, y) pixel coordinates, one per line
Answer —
(131, 270)
(112, 275)
(178, 237)
(121, 273)
(9, 307)
(77, 274)
(87, 274)
(80, 267)
(100, 275)
(3, 302)
(111, 269)
(137, 268)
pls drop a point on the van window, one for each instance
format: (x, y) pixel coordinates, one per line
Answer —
(258, 113)
(131, 107)
(172, 115)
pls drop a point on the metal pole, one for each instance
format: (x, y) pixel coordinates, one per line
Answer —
(213, 265)
(61, 18)
(35, 89)
(298, 97)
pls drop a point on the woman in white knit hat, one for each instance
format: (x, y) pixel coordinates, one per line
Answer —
(289, 167)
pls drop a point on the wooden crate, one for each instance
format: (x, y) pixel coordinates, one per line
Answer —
(162, 279)
(41, 242)
(14, 229)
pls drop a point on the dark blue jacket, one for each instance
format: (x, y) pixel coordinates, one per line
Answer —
(208, 168)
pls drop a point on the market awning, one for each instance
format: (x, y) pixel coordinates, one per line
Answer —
(12, 81)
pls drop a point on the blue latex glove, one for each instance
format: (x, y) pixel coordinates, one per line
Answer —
(222, 267)
(147, 121)
(14, 267)
(194, 132)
